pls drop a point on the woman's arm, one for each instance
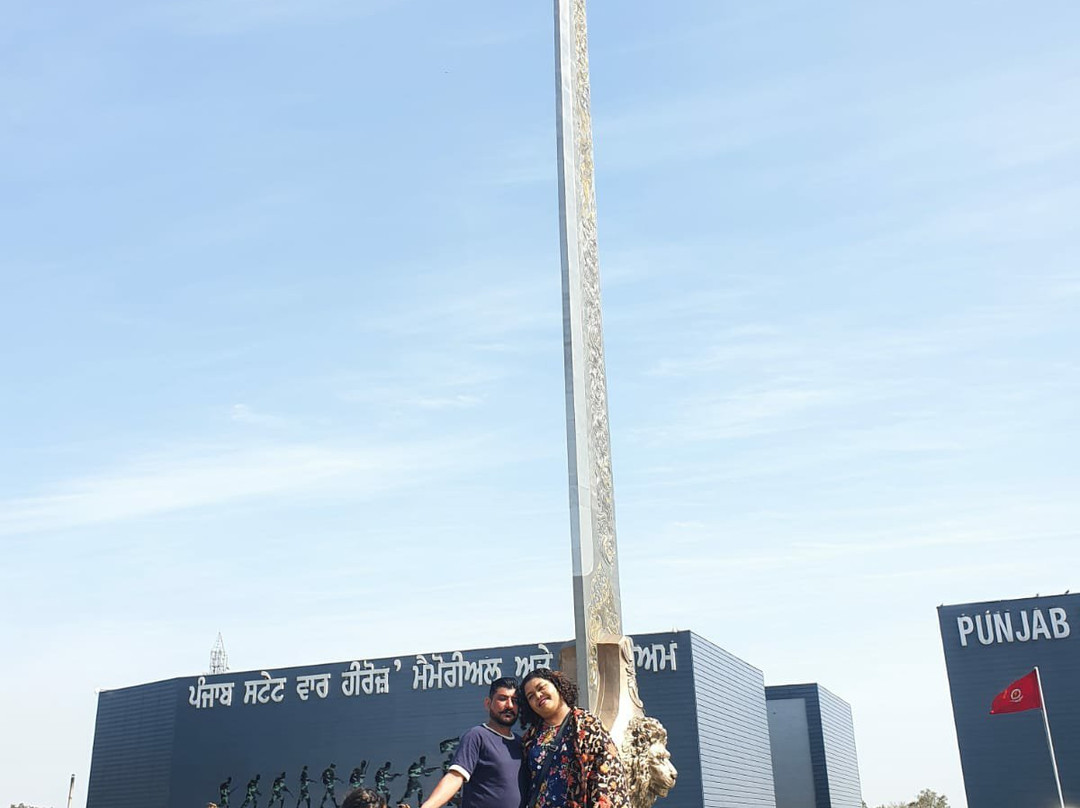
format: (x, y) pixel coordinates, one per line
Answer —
(605, 778)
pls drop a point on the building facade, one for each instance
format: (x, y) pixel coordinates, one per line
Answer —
(393, 724)
(1006, 757)
(812, 738)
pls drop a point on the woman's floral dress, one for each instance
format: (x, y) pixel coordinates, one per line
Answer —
(586, 772)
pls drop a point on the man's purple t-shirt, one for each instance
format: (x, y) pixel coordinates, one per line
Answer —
(491, 765)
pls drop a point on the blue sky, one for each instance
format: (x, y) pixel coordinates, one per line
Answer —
(282, 353)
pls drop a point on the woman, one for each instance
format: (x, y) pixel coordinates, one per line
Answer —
(569, 757)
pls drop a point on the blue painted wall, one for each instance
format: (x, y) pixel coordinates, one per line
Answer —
(668, 696)
(131, 764)
(831, 743)
(789, 741)
(154, 749)
(988, 646)
(841, 757)
(733, 729)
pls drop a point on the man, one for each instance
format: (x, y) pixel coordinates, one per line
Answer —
(487, 764)
(224, 790)
(277, 791)
(329, 778)
(383, 776)
(356, 778)
(252, 796)
(418, 769)
(305, 789)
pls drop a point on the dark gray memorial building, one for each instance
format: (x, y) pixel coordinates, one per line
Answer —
(1005, 757)
(180, 743)
(813, 748)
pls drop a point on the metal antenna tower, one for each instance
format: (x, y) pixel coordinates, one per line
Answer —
(219, 660)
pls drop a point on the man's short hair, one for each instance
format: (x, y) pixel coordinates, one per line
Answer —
(506, 683)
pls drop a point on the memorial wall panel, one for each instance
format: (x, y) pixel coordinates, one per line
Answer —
(1005, 758)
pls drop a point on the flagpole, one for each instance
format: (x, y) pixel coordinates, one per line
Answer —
(1049, 739)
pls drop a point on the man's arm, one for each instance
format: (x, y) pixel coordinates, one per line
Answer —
(446, 788)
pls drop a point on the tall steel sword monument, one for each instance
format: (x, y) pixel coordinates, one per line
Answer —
(604, 662)
(602, 656)
(597, 608)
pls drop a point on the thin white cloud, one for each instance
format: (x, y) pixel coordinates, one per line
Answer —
(458, 402)
(751, 411)
(474, 310)
(243, 414)
(428, 382)
(753, 342)
(696, 125)
(160, 484)
(214, 17)
(852, 537)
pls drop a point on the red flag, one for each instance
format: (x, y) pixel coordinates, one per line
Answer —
(1023, 694)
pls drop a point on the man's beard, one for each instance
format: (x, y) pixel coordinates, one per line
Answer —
(502, 720)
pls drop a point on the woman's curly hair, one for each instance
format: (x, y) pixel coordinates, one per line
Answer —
(567, 689)
(364, 797)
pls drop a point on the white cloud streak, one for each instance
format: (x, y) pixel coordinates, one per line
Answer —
(216, 17)
(243, 414)
(161, 484)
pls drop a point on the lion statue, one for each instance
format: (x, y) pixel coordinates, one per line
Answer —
(649, 772)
